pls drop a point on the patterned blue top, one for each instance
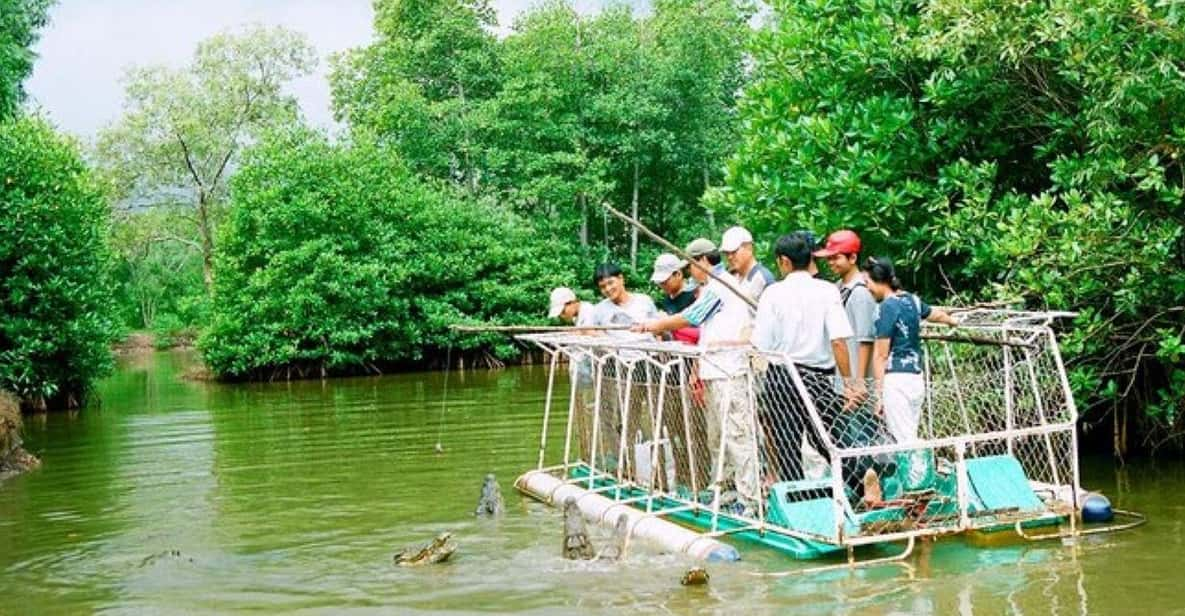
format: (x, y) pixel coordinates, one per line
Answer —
(900, 320)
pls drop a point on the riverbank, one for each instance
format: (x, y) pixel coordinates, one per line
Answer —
(13, 457)
(143, 341)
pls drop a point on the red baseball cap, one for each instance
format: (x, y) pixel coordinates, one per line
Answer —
(842, 242)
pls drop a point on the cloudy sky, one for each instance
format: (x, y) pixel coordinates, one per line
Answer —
(88, 44)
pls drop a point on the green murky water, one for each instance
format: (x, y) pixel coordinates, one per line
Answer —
(175, 497)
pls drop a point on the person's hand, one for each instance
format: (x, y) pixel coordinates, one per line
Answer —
(859, 389)
(854, 393)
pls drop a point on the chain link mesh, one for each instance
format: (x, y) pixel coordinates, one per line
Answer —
(796, 450)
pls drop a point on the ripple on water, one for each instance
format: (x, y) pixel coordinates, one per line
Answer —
(293, 497)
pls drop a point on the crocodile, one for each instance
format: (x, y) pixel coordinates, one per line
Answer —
(490, 503)
(576, 543)
(621, 537)
(436, 551)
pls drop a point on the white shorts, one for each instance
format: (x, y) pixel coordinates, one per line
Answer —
(902, 399)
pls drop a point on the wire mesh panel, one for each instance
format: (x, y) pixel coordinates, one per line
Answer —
(738, 440)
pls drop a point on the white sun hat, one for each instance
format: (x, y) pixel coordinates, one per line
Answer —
(733, 238)
(665, 266)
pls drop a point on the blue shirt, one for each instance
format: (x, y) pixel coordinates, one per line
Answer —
(900, 320)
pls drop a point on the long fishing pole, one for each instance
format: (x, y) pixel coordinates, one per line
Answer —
(535, 328)
(750, 301)
(448, 367)
(681, 254)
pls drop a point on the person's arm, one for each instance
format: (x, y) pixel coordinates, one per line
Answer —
(843, 360)
(665, 324)
(695, 314)
(862, 307)
(839, 331)
(890, 311)
(880, 362)
(937, 315)
(764, 336)
(863, 353)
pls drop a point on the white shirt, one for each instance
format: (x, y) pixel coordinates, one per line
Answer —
(587, 316)
(725, 323)
(638, 308)
(799, 317)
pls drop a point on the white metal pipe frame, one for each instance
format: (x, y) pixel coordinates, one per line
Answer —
(732, 441)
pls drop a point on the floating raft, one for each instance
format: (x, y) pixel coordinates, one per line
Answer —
(637, 426)
(648, 526)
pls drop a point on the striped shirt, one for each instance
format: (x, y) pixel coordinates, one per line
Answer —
(725, 321)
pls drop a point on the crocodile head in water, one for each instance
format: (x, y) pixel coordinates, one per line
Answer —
(490, 502)
(435, 551)
(576, 543)
(695, 576)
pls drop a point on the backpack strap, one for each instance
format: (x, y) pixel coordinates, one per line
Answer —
(846, 292)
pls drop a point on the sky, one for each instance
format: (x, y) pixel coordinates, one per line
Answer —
(88, 45)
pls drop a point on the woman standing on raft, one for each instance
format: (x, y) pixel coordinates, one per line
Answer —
(897, 353)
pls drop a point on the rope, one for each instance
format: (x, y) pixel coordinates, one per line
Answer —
(448, 367)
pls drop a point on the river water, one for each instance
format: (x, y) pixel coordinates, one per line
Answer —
(178, 497)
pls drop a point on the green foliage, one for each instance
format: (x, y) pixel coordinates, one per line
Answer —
(20, 21)
(1025, 150)
(564, 113)
(419, 84)
(169, 331)
(337, 258)
(56, 313)
(158, 273)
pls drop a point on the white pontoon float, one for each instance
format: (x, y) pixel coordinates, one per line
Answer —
(699, 445)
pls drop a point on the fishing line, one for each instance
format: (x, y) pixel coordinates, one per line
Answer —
(448, 367)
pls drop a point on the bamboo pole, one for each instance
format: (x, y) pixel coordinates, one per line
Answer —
(534, 328)
(749, 300)
(679, 252)
(976, 340)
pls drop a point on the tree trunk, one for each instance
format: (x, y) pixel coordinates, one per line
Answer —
(205, 229)
(711, 214)
(470, 176)
(605, 230)
(634, 213)
(583, 220)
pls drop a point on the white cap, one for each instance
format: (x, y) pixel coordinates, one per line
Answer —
(560, 297)
(733, 238)
(666, 265)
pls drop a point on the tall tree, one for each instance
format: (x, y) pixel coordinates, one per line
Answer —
(182, 129)
(20, 21)
(417, 87)
(565, 112)
(315, 275)
(538, 155)
(700, 74)
(999, 150)
(56, 313)
(634, 109)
